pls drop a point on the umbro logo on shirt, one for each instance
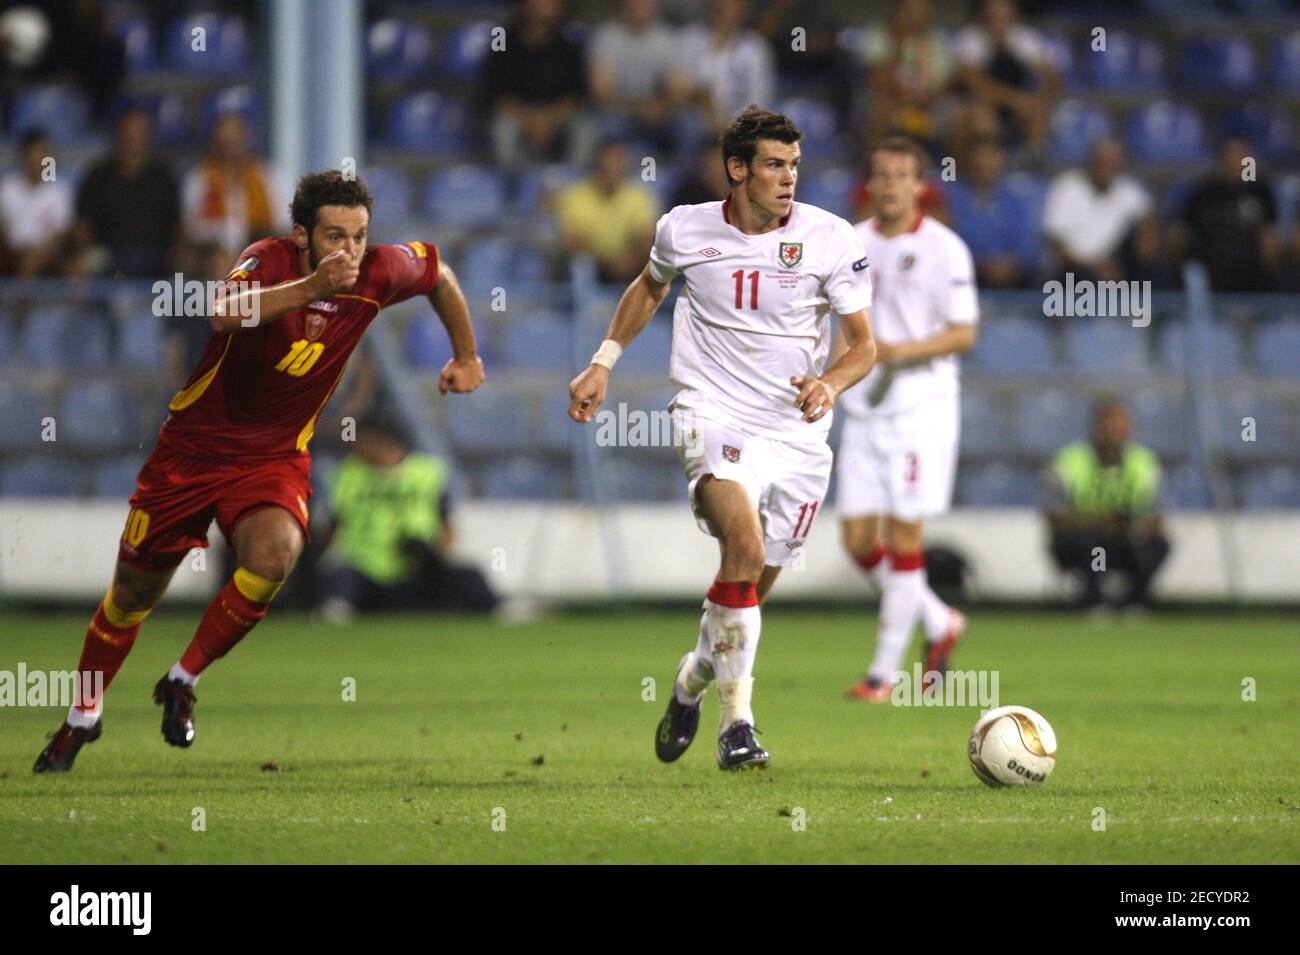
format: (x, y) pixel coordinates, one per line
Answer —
(710, 252)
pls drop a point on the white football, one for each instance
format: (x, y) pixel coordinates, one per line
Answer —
(1012, 746)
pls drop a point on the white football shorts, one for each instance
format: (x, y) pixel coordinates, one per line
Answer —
(901, 465)
(786, 481)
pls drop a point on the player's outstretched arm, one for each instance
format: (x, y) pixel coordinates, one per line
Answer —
(464, 370)
(955, 337)
(635, 309)
(236, 308)
(817, 395)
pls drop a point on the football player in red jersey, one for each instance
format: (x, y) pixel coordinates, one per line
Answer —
(234, 445)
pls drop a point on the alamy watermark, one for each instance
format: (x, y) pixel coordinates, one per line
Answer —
(50, 687)
(1086, 298)
(637, 428)
(977, 688)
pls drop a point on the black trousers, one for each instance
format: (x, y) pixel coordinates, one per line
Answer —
(439, 585)
(1138, 560)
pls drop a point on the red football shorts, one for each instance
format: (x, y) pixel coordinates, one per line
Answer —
(177, 496)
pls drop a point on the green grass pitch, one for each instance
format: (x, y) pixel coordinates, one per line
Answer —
(458, 723)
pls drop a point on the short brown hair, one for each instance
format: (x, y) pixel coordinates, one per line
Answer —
(327, 188)
(906, 146)
(741, 136)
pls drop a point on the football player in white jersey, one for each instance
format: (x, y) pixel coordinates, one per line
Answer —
(898, 451)
(751, 339)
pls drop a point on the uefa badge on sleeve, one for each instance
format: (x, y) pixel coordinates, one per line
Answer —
(790, 254)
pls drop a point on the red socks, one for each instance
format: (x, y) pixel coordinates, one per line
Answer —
(871, 560)
(734, 593)
(232, 613)
(106, 647)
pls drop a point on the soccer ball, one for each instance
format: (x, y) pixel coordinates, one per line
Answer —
(1012, 746)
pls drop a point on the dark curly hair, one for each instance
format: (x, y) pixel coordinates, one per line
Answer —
(740, 138)
(328, 188)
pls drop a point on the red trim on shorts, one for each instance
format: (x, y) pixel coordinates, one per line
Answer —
(734, 593)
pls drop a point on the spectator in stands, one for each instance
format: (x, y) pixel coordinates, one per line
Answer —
(1229, 224)
(230, 198)
(1102, 508)
(609, 217)
(708, 180)
(128, 207)
(392, 532)
(1099, 222)
(35, 210)
(637, 79)
(995, 221)
(816, 57)
(84, 46)
(536, 89)
(908, 72)
(731, 64)
(1006, 64)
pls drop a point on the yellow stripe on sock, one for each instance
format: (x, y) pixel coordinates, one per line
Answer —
(117, 617)
(255, 588)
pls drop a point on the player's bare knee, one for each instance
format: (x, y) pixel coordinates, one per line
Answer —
(744, 554)
(274, 556)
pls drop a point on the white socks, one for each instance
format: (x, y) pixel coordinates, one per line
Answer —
(178, 672)
(934, 612)
(900, 607)
(725, 651)
(78, 717)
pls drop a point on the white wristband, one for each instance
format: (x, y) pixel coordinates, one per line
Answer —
(608, 353)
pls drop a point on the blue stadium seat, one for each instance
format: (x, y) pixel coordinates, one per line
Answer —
(496, 420)
(1223, 347)
(525, 478)
(21, 411)
(1286, 63)
(652, 348)
(1274, 488)
(115, 477)
(817, 120)
(398, 50)
(1129, 62)
(63, 111)
(1076, 125)
(1218, 63)
(984, 427)
(1106, 346)
(136, 34)
(466, 46)
(1272, 427)
(427, 345)
(171, 120)
(651, 476)
(1049, 419)
(140, 339)
(38, 476)
(224, 41)
(1186, 489)
(7, 347)
(554, 430)
(466, 196)
(98, 416)
(1270, 131)
(58, 336)
(541, 341)
(1014, 346)
(531, 188)
(1277, 348)
(1164, 131)
(429, 122)
(392, 191)
(1160, 421)
(486, 263)
(1061, 55)
(997, 485)
(829, 189)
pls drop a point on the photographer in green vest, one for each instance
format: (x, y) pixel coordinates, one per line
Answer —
(392, 531)
(1103, 508)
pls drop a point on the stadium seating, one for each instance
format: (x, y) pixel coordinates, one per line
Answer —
(1286, 63)
(99, 416)
(1129, 62)
(398, 50)
(651, 350)
(38, 476)
(1272, 427)
(64, 111)
(1013, 345)
(140, 44)
(997, 485)
(1075, 126)
(1106, 347)
(466, 196)
(1271, 132)
(525, 478)
(223, 40)
(21, 411)
(60, 336)
(1160, 419)
(1166, 131)
(540, 341)
(493, 421)
(1218, 63)
(829, 189)
(984, 430)
(116, 477)
(1277, 348)
(1270, 489)
(1223, 349)
(1049, 419)
(429, 122)
(464, 50)
(140, 338)
(1186, 488)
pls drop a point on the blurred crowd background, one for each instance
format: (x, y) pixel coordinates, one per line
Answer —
(540, 170)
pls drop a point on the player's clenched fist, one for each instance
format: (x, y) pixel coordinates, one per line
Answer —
(815, 398)
(586, 392)
(460, 375)
(337, 272)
